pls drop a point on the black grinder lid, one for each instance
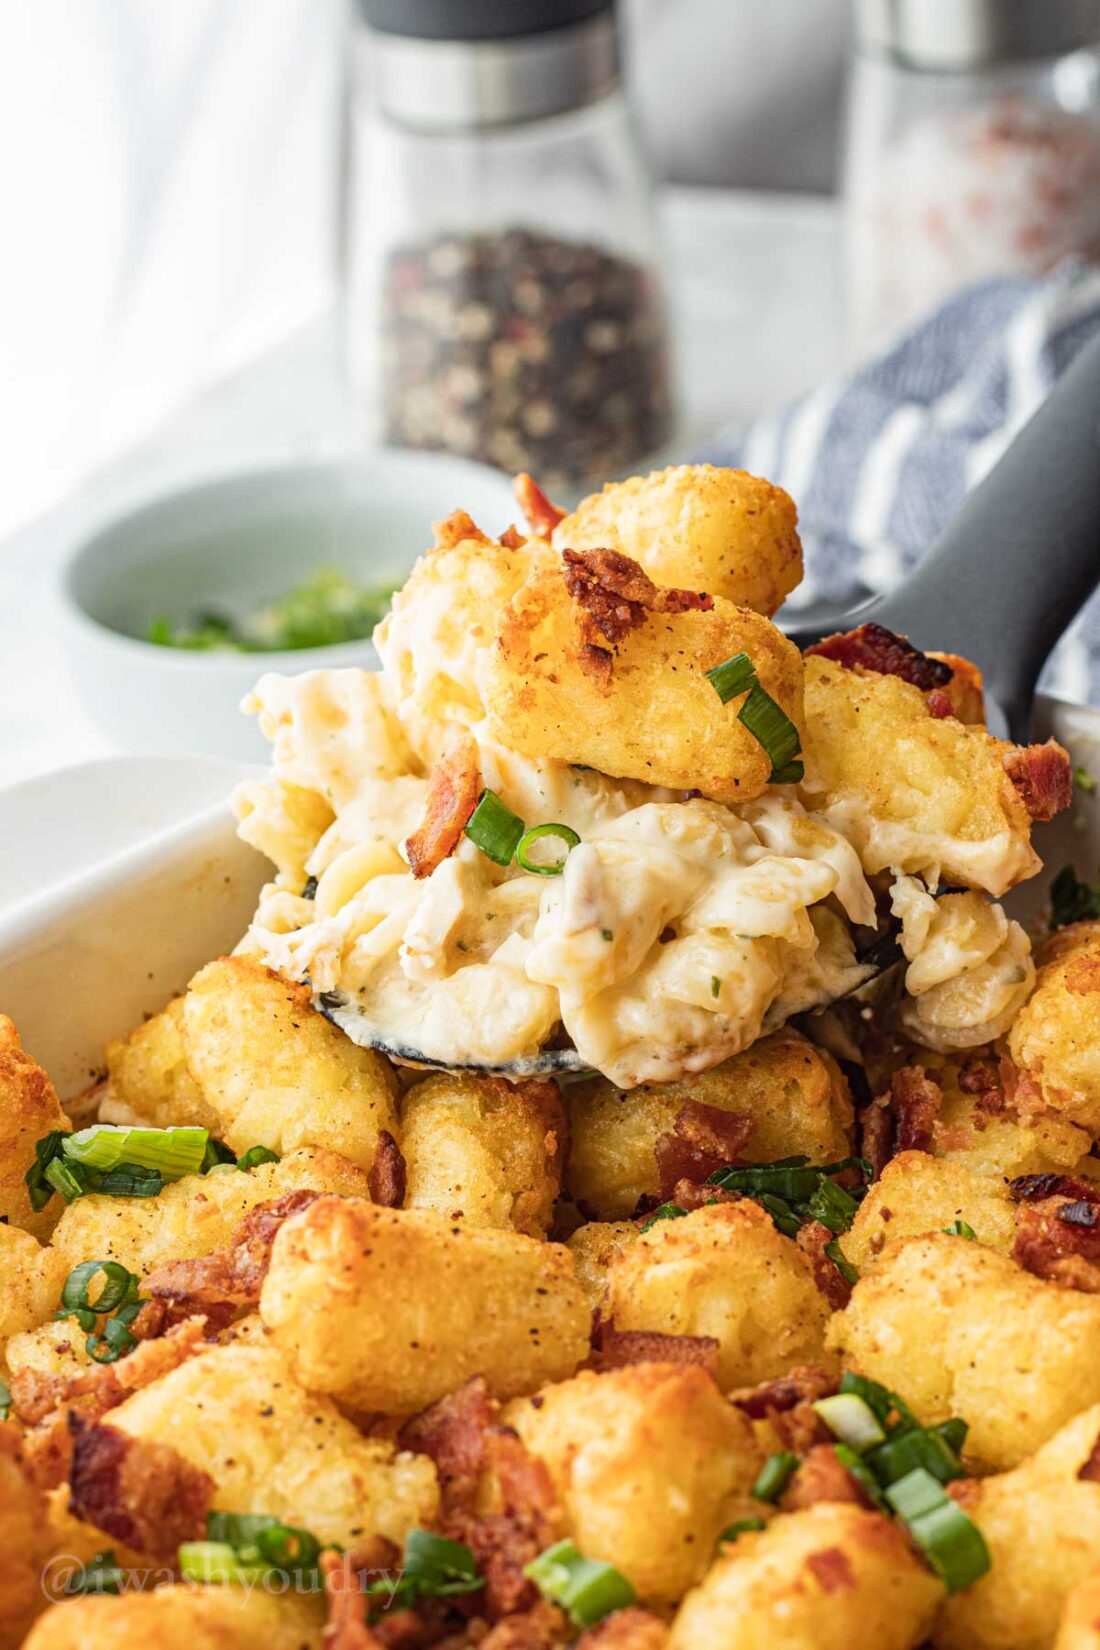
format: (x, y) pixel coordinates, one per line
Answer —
(477, 19)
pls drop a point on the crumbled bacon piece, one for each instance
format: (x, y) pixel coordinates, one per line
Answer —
(456, 529)
(690, 1195)
(787, 1403)
(703, 1140)
(142, 1492)
(873, 647)
(342, 1574)
(1089, 1470)
(461, 1435)
(1058, 1230)
(981, 1077)
(1043, 777)
(630, 1629)
(832, 1568)
(541, 1628)
(223, 1282)
(387, 1173)
(452, 1432)
(541, 516)
(901, 1120)
(44, 1402)
(917, 1102)
(614, 595)
(621, 1347)
(939, 705)
(454, 786)
(813, 1239)
(1021, 1092)
(512, 539)
(822, 1477)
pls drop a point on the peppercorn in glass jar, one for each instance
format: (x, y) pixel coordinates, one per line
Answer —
(502, 297)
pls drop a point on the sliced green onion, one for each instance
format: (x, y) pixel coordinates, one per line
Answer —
(950, 1541)
(878, 1398)
(586, 1589)
(67, 1179)
(953, 1433)
(437, 1567)
(216, 1561)
(771, 727)
(85, 1318)
(666, 1211)
(732, 676)
(116, 1287)
(5, 1400)
(101, 1574)
(39, 1188)
(788, 1177)
(906, 1451)
(854, 1464)
(960, 1228)
(173, 1152)
(255, 1155)
(741, 1526)
(851, 1419)
(766, 720)
(836, 1254)
(785, 1218)
(832, 1206)
(494, 828)
(775, 1475)
(564, 833)
(128, 1180)
(216, 1154)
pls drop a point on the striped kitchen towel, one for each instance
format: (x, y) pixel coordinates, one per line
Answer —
(879, 461)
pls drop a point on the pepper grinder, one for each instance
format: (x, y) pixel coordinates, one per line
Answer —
(502, 295)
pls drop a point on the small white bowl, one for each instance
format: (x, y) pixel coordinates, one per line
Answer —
(229, 546)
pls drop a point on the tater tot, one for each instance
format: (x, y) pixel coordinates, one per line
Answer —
(958, 1329)
(918, 1193)
(1041, 1524)
(29, 1109)
(658, 719)
(795, 1094)
(275, 1071)
(390, 1309)
(910, 790)
(1079, 1628)
(148, 1076)
(650, 1463)
(1002, 1142)
(31, 1276)
(237, 1413)
(195, 1215)
(484, 1149)
(697, 526)
(825, 1578)
(593, 1248)
(183, 1618)
(723, 1271)
(1053, 1039)
(25, 1541)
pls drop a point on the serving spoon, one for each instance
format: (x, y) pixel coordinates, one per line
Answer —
(1016, 564)
(1012, 571)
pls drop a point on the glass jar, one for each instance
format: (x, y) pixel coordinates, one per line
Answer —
(502, 295)
(973, 149)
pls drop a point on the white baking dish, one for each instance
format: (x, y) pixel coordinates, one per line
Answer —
(96, 946)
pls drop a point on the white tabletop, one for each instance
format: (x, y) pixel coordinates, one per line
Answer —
(756, 301)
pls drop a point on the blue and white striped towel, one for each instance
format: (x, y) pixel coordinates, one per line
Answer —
(879, 461)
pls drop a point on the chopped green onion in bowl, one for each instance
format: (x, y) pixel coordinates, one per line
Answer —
(327, 608)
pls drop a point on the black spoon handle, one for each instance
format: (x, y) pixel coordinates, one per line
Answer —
(1019, 560)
